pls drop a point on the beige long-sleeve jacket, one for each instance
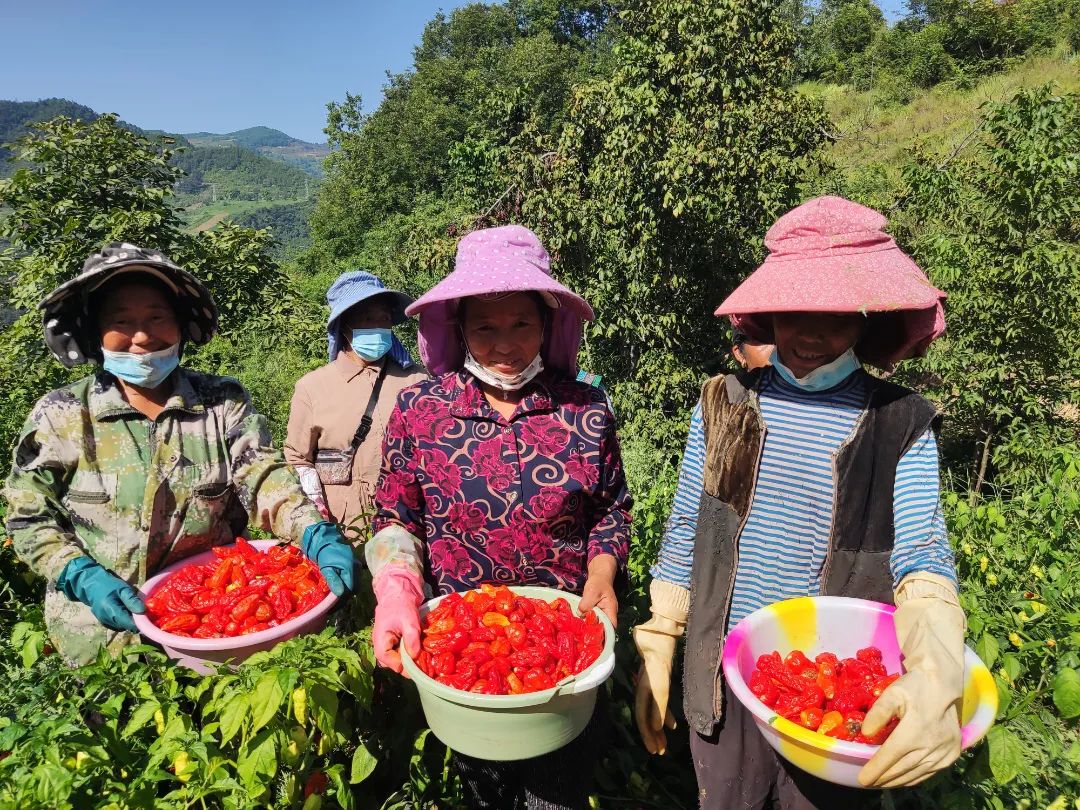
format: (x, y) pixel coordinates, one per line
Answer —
(326, 409)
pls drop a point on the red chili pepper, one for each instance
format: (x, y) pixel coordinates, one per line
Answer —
(425, 662)
(517, 635)
(500, 647)
(444, 663)
(536, 680)
(810, 718)
(829, 695)
(307, 602)
(464, 619)
(504, 601)
(180, 623)
(205, 601)
(282, 604)
(881, 684)
(316, 784)
(244, 608)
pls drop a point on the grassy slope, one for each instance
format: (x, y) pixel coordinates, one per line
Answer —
(873, 140)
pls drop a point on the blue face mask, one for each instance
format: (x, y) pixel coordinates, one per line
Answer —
(144, 370)
(371, 344)
(822, 378)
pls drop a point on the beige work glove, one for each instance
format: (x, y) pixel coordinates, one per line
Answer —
(926, 698)
(656, 640)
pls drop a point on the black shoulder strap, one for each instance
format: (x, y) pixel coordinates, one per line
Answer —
(364, 427)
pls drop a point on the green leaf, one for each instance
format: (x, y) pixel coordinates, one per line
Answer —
(269, 694)
(1067, 693)
(140, 717)
(987, 649)
(363, 763)
(257, 765)
(52, 783)
(9, 734)
(1007, 755)
(1005, 696)
(1073, 754)
(323, 704)
(232, 716)
(32, 647)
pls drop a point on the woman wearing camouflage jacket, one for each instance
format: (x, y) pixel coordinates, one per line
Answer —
(144, 462)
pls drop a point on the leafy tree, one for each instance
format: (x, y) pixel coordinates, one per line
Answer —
(835, 33)
(477, 74)
(656, 195)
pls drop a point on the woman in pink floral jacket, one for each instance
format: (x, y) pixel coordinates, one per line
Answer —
(502, 469)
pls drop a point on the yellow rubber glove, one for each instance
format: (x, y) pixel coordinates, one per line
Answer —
(656, 640)
(927, 697)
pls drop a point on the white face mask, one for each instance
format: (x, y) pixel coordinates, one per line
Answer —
(823, 377)
(506, 382)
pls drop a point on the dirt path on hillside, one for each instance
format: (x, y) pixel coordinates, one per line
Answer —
(210, 223)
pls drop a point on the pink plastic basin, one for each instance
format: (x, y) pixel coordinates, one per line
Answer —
(204, 654)
(843, 626)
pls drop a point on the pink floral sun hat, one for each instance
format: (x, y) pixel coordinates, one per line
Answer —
(495, 262)
(833, 255)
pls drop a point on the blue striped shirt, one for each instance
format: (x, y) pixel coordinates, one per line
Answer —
(784, 542)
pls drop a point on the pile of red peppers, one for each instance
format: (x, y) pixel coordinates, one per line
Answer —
(242, 591)
(493, 642)
(827, 695)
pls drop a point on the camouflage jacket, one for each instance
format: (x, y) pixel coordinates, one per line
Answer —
(92, 475)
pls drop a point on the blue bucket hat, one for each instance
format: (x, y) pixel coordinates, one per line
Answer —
(350, 289)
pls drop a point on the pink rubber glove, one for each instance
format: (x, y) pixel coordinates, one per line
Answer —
(399, 594)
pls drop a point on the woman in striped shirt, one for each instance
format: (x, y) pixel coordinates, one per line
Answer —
(811, 477)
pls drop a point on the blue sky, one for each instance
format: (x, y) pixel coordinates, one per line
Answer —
(213, 66)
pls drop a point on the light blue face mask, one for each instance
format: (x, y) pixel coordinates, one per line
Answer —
(144, 370)
(371, 344)
(822, 378)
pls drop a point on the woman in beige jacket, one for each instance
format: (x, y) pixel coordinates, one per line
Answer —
(339, 411)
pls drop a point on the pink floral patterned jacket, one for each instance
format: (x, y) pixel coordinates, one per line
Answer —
(527, 501)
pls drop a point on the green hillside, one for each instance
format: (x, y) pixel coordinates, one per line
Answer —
(871, 140)
(238, 174)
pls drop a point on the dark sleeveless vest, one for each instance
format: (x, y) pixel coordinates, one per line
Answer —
(861, 541)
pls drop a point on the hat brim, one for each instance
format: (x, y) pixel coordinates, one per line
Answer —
(882, 281)
(526, 279)
(398, 309)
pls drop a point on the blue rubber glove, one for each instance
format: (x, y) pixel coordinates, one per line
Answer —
(324, 545)
(110, 599)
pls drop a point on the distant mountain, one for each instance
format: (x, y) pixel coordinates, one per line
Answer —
(271, 143)
(252, 138)
(259, 176)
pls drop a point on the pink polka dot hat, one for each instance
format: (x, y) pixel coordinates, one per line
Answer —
(833, 255)
(492, 262)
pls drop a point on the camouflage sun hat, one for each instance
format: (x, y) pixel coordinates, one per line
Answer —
(70, 331)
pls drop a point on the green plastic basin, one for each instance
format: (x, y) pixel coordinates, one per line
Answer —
(511, 727)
